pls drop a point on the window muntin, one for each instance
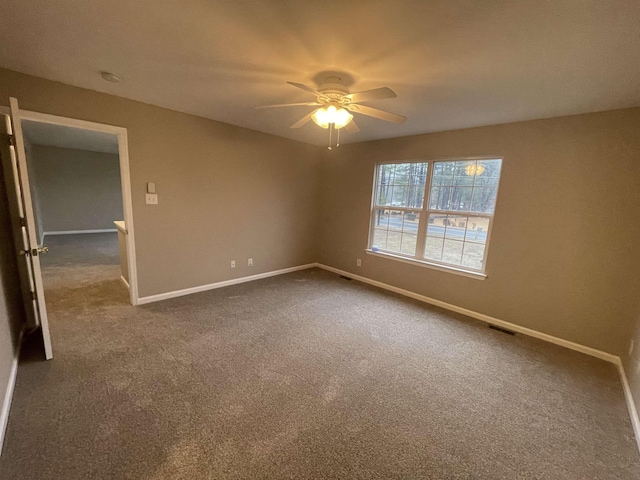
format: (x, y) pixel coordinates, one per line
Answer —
(438, 212)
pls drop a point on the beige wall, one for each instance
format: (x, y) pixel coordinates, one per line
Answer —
(225, 192)
(75, 189)
(564, 256)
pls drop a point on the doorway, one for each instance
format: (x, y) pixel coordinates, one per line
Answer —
(80, 184)
(74, 178)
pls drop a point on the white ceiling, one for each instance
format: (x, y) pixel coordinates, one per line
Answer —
(453, 63)
(37, 133)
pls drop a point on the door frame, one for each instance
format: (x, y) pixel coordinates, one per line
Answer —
(125, 178)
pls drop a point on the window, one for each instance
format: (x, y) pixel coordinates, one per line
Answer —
(437, 212)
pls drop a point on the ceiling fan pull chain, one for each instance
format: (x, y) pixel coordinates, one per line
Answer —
(330, 128)
(338, 139)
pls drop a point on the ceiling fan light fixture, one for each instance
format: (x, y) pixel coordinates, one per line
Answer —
(325, 116)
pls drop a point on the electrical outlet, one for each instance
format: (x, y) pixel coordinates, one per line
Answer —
(233, 264)
(632, 344)
(151, 198)
(358, 262)
(250, 262)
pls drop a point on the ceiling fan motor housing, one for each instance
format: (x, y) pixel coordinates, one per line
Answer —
(333, 87)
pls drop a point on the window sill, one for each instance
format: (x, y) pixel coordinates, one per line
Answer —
(435, 266)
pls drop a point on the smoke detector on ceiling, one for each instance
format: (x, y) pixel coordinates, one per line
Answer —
(110, 77)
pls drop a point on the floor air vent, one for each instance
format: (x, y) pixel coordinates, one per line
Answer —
(503, 330)
(344, 278)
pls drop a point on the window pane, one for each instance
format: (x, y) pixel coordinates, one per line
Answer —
(436, 225)
(477, 229)
(433, 248)
(381, 219)
(473, 255)
(394, 241)
(385, 180)
(387, 173)
(452, 252)
(384, 195)
(484, 199)
(491, 168)
(379, 239)
(484, 181)
(411, 222)
(464, 173)
(456, 239)
(416, 197)
(396, 220)
(465, 186)
(401, 184)
(399, 195)
(397, 231)
(455, 227)
(402, 173)
(419, 175)
(440, 198)
(443, 169)
(460, 198)
(409, 244)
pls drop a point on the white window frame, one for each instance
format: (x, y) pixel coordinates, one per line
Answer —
(419, 259)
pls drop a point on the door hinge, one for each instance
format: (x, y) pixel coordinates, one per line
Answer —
(10, 140)
(33, 296)
(23, 221)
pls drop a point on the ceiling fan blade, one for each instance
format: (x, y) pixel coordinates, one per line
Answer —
(374, 112)
(305, 88)
(375, 94)
(303, 120)
(307, 104)
(351, 127)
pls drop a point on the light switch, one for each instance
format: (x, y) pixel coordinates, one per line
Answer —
(152, 198)
(151, 187)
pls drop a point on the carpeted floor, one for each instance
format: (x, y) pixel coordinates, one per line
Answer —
(305, 375)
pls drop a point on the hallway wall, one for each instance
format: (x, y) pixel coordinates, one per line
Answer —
(75, 189)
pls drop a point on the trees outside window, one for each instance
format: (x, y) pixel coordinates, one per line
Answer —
(437, 212)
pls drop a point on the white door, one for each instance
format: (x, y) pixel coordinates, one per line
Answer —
(25, 234)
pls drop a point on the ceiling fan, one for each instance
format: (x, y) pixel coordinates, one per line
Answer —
(335, 102)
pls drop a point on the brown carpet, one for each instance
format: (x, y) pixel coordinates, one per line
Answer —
(305, 375)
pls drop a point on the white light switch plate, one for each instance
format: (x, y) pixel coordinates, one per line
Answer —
(152, 198)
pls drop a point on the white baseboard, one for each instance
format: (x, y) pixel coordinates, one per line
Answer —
(75, 232)
(631, 405)
(124, 280)
(480, 316)
(226, 283)
(448, 306)
(8, 396)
